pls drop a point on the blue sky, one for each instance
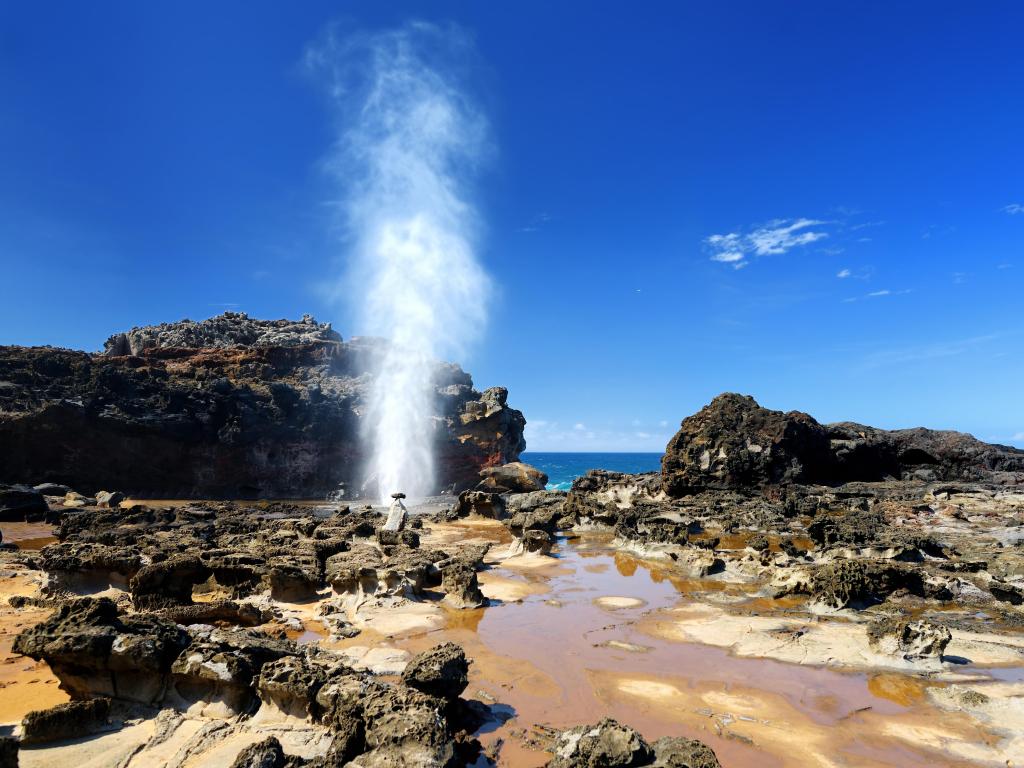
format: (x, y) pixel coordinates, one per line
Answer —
(819, 204)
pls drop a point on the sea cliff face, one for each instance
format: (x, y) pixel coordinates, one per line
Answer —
(226, 407)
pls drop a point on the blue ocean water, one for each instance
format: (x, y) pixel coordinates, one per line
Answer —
(563, 468)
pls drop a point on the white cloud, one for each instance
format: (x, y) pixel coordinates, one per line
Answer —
(1018, 438)
(663, 424)
(548, 435)
(843, 273)
(1013, 208)
(775, 238)
(883, 292)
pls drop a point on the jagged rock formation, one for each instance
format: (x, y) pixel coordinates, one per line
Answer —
(734, 443)
(226, 407)
(609, 744)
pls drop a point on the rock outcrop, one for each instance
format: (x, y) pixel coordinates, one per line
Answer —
(226, 407)
(609, 744)
(733, 443)
(516, 477)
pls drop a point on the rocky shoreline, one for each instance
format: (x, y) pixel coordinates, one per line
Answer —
(229, 407)
(289, 634)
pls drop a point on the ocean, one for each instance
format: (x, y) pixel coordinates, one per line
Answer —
(563, 468)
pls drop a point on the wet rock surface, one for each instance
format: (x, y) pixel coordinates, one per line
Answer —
(227, 407)
(199, 621)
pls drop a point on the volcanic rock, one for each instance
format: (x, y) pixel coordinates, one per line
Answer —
(911, 640)
(515, 477)
(609, 744)
(263, 754)
(65, 721)
(226, 407)
(734, 443)
(21, 502)
(442, 671)
(94, 652)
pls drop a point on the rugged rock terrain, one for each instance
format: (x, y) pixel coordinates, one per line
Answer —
(733, 443)
(227, 407)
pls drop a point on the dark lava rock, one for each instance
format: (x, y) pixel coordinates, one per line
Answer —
(608, 744)
(909, 639)
(442, 671)
(168, 583)
(227, 407)
(483, 503)
(95, 652)
(1007, 593)
(515, 477)
(461, 586)
(263, 754)
(734, 443)
(405, 727)
(54, 489)
(860, 583)
(674, 752)
(291, 683)
(8, 752)
(65, 721)
(218, 611)
(21, 502)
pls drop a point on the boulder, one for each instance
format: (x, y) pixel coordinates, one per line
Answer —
(263, 754)
(442, 671)
(75, 499)
(461, 586)
(53, 489)
(95, 652)
(65, 721)
(675, 752)
(167, 583)
(109, 499)
(290, 684)
(21, 502)
(735, 443)
(405, 727)
(515, 477)
(860, 583)
(482, 503)
(608, 744)
(8, 752)
(911, 640)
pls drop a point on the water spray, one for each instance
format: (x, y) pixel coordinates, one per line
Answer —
(411, 144)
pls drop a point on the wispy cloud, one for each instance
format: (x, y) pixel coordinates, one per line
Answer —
(881, 293)
(775, 238)
(536, 223)
(548, 435)
(1013, 208)
(842, 274)
(931, 351)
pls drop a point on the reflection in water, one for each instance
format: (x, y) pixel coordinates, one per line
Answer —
(563, 656)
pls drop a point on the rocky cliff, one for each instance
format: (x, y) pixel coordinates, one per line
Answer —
(229, 406)
(734, 443)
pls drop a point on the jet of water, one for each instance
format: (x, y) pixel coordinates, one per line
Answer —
(411, 142)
